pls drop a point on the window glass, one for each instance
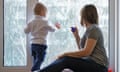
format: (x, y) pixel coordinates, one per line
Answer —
(67, 13)
(14, 37)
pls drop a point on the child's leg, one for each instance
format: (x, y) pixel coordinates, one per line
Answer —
(40, 51)
(33, 55)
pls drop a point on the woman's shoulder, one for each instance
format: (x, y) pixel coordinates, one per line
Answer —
(95, 28)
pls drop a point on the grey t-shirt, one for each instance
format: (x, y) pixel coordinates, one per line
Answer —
(99, 53)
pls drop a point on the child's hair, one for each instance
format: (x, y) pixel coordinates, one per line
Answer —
(89, 13)
(38, 8)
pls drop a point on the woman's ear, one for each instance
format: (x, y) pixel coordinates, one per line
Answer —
(82, 22)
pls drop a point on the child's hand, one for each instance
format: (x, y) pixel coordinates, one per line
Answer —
(57, 25)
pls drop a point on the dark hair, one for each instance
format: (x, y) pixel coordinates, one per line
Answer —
(38, 8)
(89, 13)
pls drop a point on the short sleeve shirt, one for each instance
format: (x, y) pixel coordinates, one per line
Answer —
(99, 53)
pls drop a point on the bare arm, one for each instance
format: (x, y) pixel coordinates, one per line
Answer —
(77, 38)
(86, 51)
(89, 46)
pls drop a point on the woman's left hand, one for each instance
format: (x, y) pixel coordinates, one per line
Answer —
(63, 55)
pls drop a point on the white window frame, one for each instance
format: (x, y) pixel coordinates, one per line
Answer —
(113, 36)
(118, 31)
(113, 32)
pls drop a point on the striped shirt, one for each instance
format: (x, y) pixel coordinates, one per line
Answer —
(38, 28)
(99, 53)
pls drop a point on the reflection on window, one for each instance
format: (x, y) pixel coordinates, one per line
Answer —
(14, 38)
(67, 13)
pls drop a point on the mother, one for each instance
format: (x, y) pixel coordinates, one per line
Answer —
(91, 56)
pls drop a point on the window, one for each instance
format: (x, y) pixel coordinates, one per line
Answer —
(67, 13)
(14, 37)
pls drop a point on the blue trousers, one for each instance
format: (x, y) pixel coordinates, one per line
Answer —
(75, 64)
(38, 53)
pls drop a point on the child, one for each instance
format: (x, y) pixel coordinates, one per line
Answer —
(39, 28)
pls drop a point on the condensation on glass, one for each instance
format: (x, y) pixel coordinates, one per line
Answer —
(67, 13)
(14, 37)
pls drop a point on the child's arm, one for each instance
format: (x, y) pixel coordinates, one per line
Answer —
(27, 29)
(52, 28)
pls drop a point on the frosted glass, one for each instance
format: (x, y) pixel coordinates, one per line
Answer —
(14, 37)
(66, 12)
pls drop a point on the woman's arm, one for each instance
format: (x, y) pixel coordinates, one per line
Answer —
(77, 37)
(86, 51)
(78, 41)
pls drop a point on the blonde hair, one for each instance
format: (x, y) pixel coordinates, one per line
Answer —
(38, 8)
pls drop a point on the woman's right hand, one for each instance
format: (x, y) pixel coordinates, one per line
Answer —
(75, 31)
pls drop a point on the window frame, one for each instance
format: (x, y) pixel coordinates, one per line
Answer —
(113, 36)
(118, 51)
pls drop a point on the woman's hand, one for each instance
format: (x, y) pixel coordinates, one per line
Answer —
(75, 31)
(70, 54)
(63, 55)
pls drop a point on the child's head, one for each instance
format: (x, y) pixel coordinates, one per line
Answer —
(40, 9)
(89, 14)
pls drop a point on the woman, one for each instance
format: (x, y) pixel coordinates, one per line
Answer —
(91, 56)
